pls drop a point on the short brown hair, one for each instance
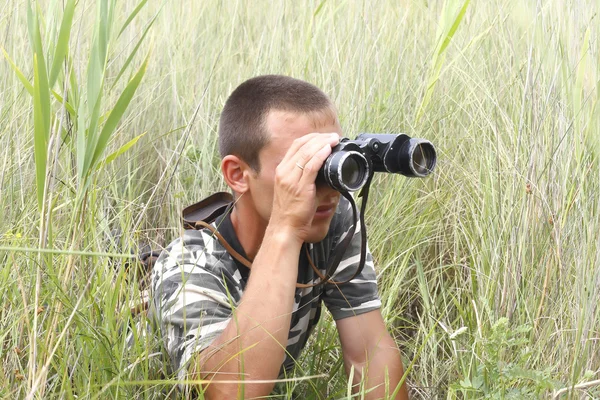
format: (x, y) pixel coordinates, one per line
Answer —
(242, 125)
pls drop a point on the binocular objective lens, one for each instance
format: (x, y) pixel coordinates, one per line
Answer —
(423, 158)
(419, 160)
(345, 171)
(351, 172)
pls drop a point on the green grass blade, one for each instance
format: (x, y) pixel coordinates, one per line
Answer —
(454, 26)
(579, 77)
(104, 27)
(91, 137)
(81, 142)
(135, 12)
(41, 84)
(67, 105)
(30, 24)
(446, 35)
(62, 45)
(111, 157)
(95, 80)
(74, 94)
(22, 78)
(40, 132)
(118, 111)
(319, 8)
(134, 52)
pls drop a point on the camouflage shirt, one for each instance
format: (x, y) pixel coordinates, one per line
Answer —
(196, 285)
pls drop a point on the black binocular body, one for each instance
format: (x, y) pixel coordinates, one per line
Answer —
(352, 162)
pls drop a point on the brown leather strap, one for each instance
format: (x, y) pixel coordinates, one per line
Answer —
(227, 246)
(248, 264)
(325, 279)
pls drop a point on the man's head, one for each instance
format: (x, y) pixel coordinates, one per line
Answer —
(260, 120)
(242, 128)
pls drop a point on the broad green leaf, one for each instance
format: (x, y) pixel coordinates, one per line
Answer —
(110, 158)
(96, 70)
(455, 25)
(68, 106)
(319, 8)
(62, 45)
(81, 142)
(104, 25)
(95, 78)
(30, 24)
(134, 52)
(91, 136)
(118, 111)
(445, 36)
(73, 86)
(581, 69)
(135, 12)
(41, 85)
(24, 81)
(40, 133)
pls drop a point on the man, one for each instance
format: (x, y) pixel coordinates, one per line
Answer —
(223, 321)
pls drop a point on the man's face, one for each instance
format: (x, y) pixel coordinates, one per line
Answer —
(284, 127)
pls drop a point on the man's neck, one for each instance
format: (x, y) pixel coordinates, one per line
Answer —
(249, 229)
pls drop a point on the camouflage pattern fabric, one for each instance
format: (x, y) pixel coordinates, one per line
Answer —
(196, 286)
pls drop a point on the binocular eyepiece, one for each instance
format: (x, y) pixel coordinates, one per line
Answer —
(352, 162)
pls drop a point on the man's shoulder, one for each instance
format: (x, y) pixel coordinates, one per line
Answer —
(198, 247)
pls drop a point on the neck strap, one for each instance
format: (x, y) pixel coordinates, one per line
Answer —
(340, 250)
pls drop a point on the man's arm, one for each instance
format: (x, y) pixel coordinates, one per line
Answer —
(252, 346)
(368, 347)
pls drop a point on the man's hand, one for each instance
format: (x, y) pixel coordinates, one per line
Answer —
(294, 198)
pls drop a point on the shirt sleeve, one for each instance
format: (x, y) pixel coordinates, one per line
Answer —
(193, 296)
(360, 295)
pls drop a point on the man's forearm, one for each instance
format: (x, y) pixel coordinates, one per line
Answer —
(252, 346)
(379, 362)
(385, 362)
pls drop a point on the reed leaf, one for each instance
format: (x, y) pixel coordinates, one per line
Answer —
(68, 106)
(445, 34)
(111, 157)
(135, 12)
(134, 51)
(62, 44)
(28, 86)
(118, 111)
(40, 108)
(41, 84)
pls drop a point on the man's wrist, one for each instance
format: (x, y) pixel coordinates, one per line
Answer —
(283, 234)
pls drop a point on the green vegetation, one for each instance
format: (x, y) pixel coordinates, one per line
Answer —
(489, 270)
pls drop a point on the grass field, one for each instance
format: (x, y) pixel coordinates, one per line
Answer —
(489, 270)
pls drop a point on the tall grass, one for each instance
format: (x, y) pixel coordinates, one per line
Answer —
(489, 270)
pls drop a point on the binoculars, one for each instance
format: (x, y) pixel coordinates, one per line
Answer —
(352, 162)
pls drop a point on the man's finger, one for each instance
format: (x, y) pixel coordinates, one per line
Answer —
(311, 169)
(309, 149)
(298, 143)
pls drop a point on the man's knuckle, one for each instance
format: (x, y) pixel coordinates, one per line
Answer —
(310, 167)
(281, 178)
(303, 155)
(301, 140)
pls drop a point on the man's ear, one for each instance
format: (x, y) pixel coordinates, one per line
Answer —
(236, 173)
